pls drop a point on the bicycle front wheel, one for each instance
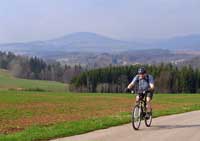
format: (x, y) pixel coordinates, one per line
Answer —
(136, 117)
(149, 120)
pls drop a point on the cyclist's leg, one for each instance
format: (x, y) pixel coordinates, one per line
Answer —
(148, 99)
(137, 99)
(148, 104)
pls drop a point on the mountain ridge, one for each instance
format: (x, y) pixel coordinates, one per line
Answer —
(80, 41)
(93, 42)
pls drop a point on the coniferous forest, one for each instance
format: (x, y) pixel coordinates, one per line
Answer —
(168, 79)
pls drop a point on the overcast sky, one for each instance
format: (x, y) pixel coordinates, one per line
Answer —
(28, 20)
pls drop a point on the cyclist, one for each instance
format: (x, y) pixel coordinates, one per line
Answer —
(145, 84)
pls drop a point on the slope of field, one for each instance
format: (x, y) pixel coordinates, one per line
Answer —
(28, 116)
(9, 82)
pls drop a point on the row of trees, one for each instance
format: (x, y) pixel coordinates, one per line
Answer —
(36, 68)
(168, 79)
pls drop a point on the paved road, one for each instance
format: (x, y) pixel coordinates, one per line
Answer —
(181, 127)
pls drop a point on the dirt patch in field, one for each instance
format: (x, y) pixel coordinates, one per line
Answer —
(11, 130)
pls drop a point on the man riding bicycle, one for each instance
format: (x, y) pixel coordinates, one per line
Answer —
(145, 85)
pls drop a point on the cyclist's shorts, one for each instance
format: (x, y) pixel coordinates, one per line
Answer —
(149, 94)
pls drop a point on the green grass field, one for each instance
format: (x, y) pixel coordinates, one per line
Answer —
(8, 82)
(28, 116)
(32, 110)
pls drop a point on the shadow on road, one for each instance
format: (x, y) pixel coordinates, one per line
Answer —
(158, 127)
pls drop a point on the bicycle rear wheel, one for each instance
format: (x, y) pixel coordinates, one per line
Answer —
(149, 120)
(136, 117)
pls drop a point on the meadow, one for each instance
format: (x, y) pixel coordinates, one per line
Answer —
(32, 110)
(27, 116)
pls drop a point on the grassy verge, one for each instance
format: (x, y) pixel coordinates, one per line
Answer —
(88, 104)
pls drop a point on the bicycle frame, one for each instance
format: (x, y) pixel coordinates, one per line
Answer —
(142, 103)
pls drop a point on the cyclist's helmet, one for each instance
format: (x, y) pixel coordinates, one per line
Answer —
(141, 70)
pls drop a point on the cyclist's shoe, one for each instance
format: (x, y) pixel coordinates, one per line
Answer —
(147, 116)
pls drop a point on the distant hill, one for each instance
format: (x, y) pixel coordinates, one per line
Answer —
(84, 44)
(76, 42)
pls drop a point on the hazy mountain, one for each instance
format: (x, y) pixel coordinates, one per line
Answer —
(95, 43)
(76, 42)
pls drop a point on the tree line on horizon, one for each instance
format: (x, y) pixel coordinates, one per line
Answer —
(168, 79)
(113, 79)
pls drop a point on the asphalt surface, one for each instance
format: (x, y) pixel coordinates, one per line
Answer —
(181, 127)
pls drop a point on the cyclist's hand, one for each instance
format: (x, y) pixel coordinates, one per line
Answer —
(133, 91)
(150, 90)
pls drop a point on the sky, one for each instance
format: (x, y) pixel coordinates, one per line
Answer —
(29, 20)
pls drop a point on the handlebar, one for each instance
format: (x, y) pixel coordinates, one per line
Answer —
(136, 92)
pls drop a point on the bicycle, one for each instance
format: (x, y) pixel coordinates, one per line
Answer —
(139, 112)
